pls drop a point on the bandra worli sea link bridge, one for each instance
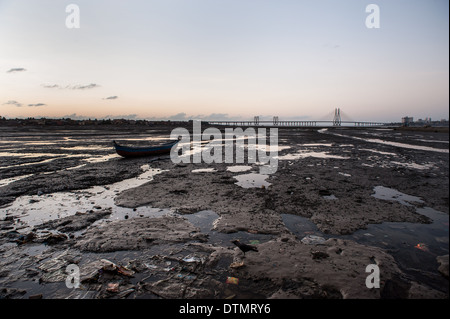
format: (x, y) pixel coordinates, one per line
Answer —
(336, 122)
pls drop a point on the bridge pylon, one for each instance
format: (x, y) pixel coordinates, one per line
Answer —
(337, 117)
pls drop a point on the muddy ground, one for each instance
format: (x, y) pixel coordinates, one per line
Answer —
(187, 253)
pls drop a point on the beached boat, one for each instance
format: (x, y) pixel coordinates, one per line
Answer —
(127, 151)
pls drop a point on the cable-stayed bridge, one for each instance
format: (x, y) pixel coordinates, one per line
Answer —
(276, 122)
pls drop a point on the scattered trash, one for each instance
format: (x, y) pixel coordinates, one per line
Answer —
(237, 264)
(232, 280)
(109, 266)
(113, 287)
(150, 266)
(192, 259)
(188, 277)
(254, 242)
(125, 271)
(422, 247)
(313, 240)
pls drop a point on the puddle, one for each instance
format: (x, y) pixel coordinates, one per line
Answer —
(238, 168)
(344, 174)
(252, 180)
(318, 144)
(414, 165)
(391, 194)
(301, 226)
(8, 181)
(205, 221)
(414, 246)
(304, 154)
(377, 151)
(204, 170)
(34, 210)
(391, 143)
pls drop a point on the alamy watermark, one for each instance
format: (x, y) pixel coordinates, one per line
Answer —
(373, 19)
(73, 19)
(373, 280)
(73, 277)
(220, 148)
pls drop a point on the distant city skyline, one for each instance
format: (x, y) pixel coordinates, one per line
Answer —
(219, 60)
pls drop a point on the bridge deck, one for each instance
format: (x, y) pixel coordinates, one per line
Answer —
(294, 123)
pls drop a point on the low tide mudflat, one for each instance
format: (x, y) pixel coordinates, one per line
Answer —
(340, 200)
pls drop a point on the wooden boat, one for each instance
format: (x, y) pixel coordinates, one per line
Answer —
(128, 152)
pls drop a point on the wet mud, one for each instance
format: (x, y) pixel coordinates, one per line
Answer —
(168, 234)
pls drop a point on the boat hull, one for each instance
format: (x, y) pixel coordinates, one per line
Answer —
(130, 152)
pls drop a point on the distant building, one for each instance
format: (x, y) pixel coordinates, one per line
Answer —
(406, 121)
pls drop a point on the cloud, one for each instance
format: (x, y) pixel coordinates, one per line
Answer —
(71, 87)
(15, 103)
(54, 86)
(111, 98)
(16, 70)
(83, 87)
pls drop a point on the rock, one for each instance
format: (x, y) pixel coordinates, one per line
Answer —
(443, 265)
(10, 293)
(139, 233)
(54, 239)
(313, 240)
(75, 222)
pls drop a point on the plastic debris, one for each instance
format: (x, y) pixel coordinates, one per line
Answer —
(232, 280)
(313, 240)
(192, 259)
(150, 266)
(188, 277)
(254, 242)
(113, 287)
(237, 264)
(421, 246)
(125, 271)
(109, 266)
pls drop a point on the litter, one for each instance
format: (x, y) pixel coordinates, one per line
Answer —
(313, 240)
(113, 287)
(422, 247)
(188, 277)
(150, 266)
(192, 259)
(125, 271)
(232, 280)
(254, 242)
(237, 264)
(109, 266)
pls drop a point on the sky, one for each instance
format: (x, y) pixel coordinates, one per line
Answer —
(225, 59)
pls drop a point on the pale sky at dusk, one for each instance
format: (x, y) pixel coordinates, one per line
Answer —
(225, 58)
